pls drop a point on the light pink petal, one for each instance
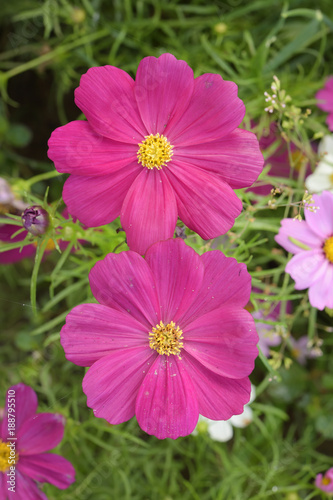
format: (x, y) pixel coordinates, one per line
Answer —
(325, 96)
(112, 383)
(178, 273)
(106, 97)
(214, 111)
(96, 201)
(225, 282)
(25, 488)
(299, 231)
(166, 406)
(321, 221)
(76, 149)
(24, 404)
(163, 89)
(305, 268)
(149, 212)
(236, 158)
(125, 282)
(224, 341)
(48, 468)
(93, 331)
(219, 397)
(206, 204)
(321, 292)
(40, 433)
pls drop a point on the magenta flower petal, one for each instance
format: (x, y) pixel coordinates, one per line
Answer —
(112, 383)
(88, 198)
(236, 157)
(177, 284)
(300, 231)
(320, 292)
(166, 404)
(306, 267)
(163, 89)
(321, 221)
(213, 112)
(25, 488)
(225, 282)
(199, 195)
(149, 212)
(224, 341)
(125, 282)
(106, 97)
(25, 407)
(76, 149)
(48, 468)
(40, 433)
(219, 397)
(93, 331)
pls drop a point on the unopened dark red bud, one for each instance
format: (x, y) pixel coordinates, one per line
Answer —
(36, 220)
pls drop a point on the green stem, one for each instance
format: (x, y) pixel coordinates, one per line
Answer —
(42, 177)
(56, 52)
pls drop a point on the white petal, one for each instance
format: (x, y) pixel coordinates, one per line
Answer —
(220, 430)
(318, 182)
(242, 420)
(326, 145)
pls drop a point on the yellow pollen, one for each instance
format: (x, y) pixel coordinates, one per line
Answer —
(155, 151)
(7, 457)
(325, 481)
(165, 339)
(328, 249)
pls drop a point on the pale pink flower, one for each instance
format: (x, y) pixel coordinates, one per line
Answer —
(168, 340)
(35, 433)
(325, 482)
(312, 243)
(301, 349)
(325, 101)
(162, 146)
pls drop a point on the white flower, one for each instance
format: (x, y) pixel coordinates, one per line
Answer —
(222, 430)
(322, 177)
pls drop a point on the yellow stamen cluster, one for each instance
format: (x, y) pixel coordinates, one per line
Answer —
(328, 249)
(166, 339)
(155, 151)
(6, 457)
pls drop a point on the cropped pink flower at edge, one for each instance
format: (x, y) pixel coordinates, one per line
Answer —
(325, 101)
(325, 482)
(36, 434)
(168, 340)
(162, 146)
(312, 243)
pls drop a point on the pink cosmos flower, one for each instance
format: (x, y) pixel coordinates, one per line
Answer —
(168, 340)
(302, 350)
(162, 146)
(325, 483)
(325, 98)
(23, 461)
(312, 243)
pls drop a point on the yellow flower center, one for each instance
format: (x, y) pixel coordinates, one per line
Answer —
(8, 456)
(298, 159)
(49, 246)
(328, 249)
(155, 151)
(166, 339)
(325, 481)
